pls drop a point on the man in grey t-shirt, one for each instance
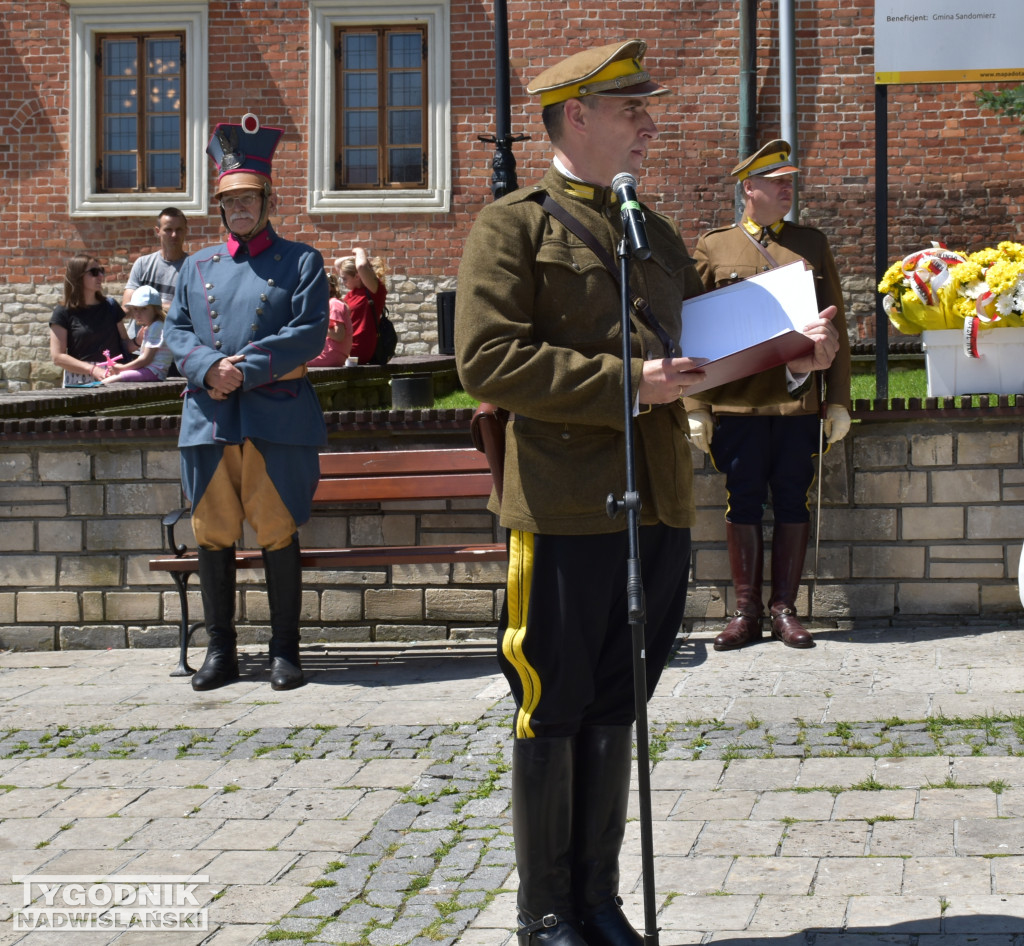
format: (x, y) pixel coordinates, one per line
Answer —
(160, 269)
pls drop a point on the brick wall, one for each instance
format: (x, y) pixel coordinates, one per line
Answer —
(922, 521)
(954, 171)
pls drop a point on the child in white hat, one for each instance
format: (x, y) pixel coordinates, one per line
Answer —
(154, 358)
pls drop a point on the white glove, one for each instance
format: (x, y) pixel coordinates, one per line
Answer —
(837, 423)
(701, 429)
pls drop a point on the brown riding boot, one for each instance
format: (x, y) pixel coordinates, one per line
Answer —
(746, 562)
(789, 546)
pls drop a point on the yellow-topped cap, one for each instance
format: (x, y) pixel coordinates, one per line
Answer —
(771, 160)
(614, 69)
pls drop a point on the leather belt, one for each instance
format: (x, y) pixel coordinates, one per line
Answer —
(294, 374)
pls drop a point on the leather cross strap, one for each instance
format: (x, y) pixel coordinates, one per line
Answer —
(760, 247)
(570, 222)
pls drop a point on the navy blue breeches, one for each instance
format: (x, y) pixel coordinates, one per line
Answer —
(766, 454)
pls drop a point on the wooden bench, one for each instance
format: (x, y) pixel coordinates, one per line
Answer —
(372, 477)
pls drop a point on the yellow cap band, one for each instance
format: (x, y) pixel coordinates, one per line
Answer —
(610, 77)
(777, 158)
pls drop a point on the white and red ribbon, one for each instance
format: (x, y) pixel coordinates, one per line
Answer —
(971, 337)
(927, 271)
(979, 306)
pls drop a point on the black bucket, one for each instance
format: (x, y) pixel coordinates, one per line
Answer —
(412, 390)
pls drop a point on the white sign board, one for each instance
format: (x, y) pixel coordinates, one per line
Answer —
(948, 41)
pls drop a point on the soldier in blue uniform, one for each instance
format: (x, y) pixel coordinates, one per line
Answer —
(247, 316)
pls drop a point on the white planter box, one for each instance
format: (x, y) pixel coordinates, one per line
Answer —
(999, 370)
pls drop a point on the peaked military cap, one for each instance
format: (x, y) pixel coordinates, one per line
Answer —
(243, 154)
(615, 69)
(772, 160)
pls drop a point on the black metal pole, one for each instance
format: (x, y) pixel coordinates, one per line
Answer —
(748, 89)
(502, 79)
(748, 77)
(503, 164)
(881, 240)
(637, 614)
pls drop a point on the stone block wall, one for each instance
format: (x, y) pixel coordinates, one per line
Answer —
(921, 521)
(25, 335)
(80, 522)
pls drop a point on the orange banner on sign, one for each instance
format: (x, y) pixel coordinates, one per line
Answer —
(949, 75)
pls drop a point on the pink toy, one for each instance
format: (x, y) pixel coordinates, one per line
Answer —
(110, 362)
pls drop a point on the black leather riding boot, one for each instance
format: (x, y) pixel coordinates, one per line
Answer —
(789, 546)
(217, 585)
(284, 594)
(604, 758)
(746, 563)
(542, 800)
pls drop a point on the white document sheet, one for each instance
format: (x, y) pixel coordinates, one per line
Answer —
(738, 316)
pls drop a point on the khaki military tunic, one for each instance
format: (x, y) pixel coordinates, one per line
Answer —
(538, 331)
(725, 256)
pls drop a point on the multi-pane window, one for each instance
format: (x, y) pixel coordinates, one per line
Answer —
(140, 112)
(381, 108)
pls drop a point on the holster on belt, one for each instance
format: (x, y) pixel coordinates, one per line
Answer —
(487, 430)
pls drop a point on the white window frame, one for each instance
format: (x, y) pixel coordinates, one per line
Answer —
(325, 16)
(135, 16)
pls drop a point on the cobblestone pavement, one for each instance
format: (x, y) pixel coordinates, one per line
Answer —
(870, 789)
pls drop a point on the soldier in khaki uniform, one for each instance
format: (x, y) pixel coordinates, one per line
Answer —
(769, 449)
(537, 331)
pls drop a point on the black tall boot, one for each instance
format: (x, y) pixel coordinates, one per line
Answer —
(284, 593)
(789, 547)
(604, 756)
(542, 799)
(217, 585)
(746, 563)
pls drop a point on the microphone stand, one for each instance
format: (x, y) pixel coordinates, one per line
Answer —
(637, 613)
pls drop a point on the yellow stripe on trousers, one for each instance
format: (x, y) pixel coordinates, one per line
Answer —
(520, 576)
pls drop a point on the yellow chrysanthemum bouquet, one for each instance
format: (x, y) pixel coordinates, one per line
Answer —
(990, 286)
(938, 288)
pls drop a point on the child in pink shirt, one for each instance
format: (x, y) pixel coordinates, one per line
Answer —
(339, 332)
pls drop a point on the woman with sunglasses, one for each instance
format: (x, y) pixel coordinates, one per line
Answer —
(87, 330)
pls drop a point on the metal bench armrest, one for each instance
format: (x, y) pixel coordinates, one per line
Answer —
(169, 521)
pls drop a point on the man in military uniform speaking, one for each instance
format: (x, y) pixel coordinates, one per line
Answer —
(762, 449)
(538, 331)
(247, 316)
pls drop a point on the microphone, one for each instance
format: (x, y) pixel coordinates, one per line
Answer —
(624, 185)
